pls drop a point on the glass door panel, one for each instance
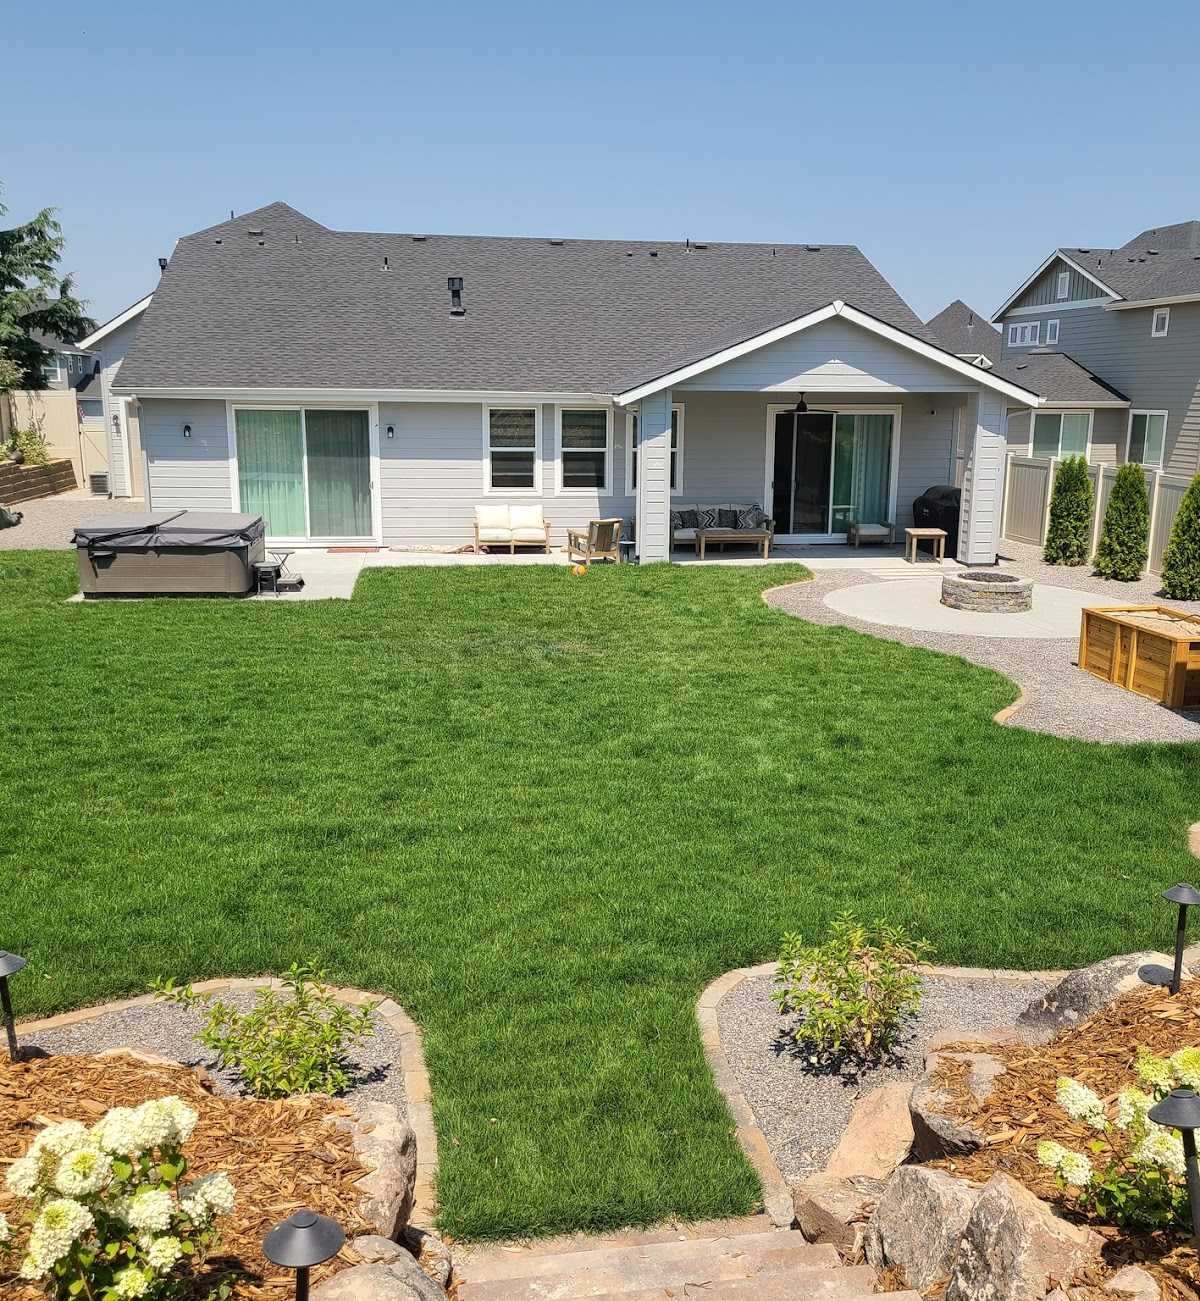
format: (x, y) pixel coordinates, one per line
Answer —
(339, 474)
(872, 469)
(270, 451)
(842, 505)
(814, 451)
(784, 471)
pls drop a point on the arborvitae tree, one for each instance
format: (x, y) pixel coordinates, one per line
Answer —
(1181, 561)
(1069, 536)
(1125, 540)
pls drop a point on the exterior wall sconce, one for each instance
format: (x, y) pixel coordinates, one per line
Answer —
(303, 1240)
(10, 964)
(1180, 1110)
(391, 431)
(187, 431)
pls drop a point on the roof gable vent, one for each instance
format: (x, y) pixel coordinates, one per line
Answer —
(455, 285)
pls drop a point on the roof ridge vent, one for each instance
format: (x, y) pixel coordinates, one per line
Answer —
(255, 232)
(419, 239)
(812, 248)
(556, 243)
(455, 285)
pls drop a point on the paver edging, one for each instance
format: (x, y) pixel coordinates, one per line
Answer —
(417, 1091)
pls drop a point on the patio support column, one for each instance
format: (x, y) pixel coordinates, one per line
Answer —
(654, 478)
(986, 446)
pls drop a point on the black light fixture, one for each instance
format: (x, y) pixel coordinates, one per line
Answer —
(303, 1240)
(187, 431)
(391, 431)
(10, 964)
(1155, 973)
(1180, 1110)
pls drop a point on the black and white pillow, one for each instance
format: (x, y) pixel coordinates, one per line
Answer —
(706, 517)
(727, 518)
(750, 517)
(683, 519)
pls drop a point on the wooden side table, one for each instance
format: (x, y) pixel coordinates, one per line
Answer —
(913, 536)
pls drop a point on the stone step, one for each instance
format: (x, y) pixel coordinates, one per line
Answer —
(845, 1283)
(625, 1270)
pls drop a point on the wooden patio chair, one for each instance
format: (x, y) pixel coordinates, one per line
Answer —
(601, 540)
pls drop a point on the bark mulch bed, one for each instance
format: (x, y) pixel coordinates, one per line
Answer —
(1021, 1110)
(280, 1156)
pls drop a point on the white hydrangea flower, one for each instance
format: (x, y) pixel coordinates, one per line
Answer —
(1051, 1154)
(1076, 1169)
(1163, 1148)
(1080, 1102)
(55, 1230)
(132, 1282)
(214, 1191)
(58, 1140)
(83, 1171)
(31, 1268)
(195, 1207)
(150, 1209)
(1154, 1071)
(23, 1175)
(162, 1253)
(117, 1132)
(5, 1231)
(1186, 1063)
(1132, 1106)
(183, 1118)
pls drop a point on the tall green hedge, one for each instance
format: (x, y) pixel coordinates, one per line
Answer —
(1068, 541)
(1125, 540)
(1181, 561)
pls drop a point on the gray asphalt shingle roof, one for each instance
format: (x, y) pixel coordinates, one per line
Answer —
(1057, 378)
(1155, 263)
(962, 330)
(273, 299)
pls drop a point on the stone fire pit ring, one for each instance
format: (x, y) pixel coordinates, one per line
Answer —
(987, 591)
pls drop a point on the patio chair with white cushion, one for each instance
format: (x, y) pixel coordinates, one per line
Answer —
(512, 526)
(859, 533)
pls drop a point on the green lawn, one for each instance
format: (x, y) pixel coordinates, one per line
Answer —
(542, 812)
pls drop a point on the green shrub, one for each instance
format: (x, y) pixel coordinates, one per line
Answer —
(1181, 561)
(282, 1046)
(853, 992)
(31, 444)
(1068, 541)
(1125, 539)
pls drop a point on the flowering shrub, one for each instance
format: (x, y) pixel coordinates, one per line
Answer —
(282, 1047)
(107, 1215)
(854, 991)
(1135, 1173)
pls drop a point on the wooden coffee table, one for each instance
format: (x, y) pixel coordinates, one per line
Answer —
(752, 537)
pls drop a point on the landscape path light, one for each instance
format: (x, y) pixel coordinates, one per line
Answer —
(1185, 896)
(1180, 1110)
(303, 1240)
(10, 963)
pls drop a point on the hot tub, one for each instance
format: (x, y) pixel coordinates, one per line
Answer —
(177, 553)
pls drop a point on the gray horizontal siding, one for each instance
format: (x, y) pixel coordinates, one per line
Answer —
(1045, 288)
(186, 473)
(1109, 427)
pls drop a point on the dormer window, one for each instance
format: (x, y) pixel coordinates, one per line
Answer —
(1160, 322)
(1062, 285)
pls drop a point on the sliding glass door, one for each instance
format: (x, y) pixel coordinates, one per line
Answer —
(831, 468)
(306, 472)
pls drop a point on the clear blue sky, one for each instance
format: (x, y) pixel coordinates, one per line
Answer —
(955, 143)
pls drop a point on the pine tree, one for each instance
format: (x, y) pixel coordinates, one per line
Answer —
(1069, 536)
(1125, 540)
(1181, 562)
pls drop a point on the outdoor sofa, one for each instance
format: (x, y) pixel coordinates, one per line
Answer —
(512, 526)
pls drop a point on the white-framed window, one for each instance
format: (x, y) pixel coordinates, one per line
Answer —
(1052, 331)
(52, 368)
(583, 450)
(1147, 437)
(631, 449)
(91, 408)
(1160, 322)
(512, 440)
(1023, 334)
(1062, 284)
(1061, 433)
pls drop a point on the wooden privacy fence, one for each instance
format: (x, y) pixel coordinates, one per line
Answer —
(1029, 480)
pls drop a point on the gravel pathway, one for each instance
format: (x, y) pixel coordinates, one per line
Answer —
(802, 1113)
(1059, 697)
(1147, 590)
(50, 521)
(169, 1031)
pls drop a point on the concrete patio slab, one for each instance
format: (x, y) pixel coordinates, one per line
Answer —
(916, 603)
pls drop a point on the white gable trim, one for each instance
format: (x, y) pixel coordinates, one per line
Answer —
(837, 308)
(115, 324)
(1153, 302)
(1057, 256)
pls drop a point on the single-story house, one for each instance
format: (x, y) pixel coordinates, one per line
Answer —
(375, 388)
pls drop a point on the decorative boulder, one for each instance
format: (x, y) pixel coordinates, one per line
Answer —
(432, 1253)
(387, 1145)
(937, 1131)
(1082, 992)
(919, 1222)
(1135, 1282)
(836, 1210)
(1015, 1248)
(878, 1138)
(401, 1279)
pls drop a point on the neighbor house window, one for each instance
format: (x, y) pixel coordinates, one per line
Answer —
(512, 447)
(585, 449)
(1147, 436)
(1021, 335)
(1061, 433)
(91, 408)
(631, 451)
(52, 367)
(1063, 284)
(1051, 331)
(1160, 322)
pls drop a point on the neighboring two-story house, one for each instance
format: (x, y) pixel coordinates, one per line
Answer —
(1110, 337)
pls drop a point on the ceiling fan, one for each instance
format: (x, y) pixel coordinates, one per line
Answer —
(803, 409)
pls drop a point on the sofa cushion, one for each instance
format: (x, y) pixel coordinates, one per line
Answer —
(529, 535)
(683, 518)
(492, 516)
(707, 516)
(526, 517)
(727, 517)
(495, 535)
(750, 517)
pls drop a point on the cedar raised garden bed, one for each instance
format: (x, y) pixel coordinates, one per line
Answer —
(1148, 649)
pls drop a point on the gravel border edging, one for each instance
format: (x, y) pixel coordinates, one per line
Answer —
(418, 1093)
(777, 1193)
